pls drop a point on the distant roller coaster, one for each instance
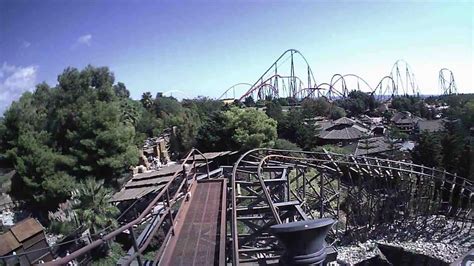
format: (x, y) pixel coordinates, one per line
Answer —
(447, 84)
(277, 83)
(284, 79)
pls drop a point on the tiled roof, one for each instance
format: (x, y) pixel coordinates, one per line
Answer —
(373, 145)
(430, 125)
(341, 133)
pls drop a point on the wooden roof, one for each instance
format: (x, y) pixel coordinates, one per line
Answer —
(19, 233)
(26, 229)
(8, 243)
(134, 193)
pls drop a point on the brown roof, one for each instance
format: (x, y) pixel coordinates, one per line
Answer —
(134, 193)
(8, 243)
(341, 132)
(211, 155)
(26, 229)
(148, 182)
(165, 170)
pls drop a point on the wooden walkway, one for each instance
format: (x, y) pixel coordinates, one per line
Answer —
(200, 237)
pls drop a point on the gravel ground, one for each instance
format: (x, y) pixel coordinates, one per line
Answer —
(435, 237)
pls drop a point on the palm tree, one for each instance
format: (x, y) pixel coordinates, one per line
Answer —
(92, 207)
(147, 100)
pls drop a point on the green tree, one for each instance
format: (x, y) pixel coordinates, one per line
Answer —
(273, 110)
(251, 128)
(336, 112)
(315, 107)
(57, 136)
(465, 163)
(40, 179)
(147, 100)
(426, 151)
(283, 144)
(358, 102)
(450, 151)
(249, 101)
(92, 207)
(215, 135)
(294, 128)
(121, 90)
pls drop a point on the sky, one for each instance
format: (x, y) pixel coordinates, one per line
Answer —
(201, 48)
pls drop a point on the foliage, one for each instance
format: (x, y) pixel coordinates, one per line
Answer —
(283, 144)
(249, 101)
(426, 151)
(251, 128)
(357, 103)
(273, 110)
(465, 163)
(114, 254)
(215, 135)
(331, 148)
(236, 129)
(315, 107)
(54, 137)
(294, 128)
(336, 112)
(394, 133)
(92, 207)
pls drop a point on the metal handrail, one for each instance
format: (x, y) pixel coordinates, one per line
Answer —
(148, 209)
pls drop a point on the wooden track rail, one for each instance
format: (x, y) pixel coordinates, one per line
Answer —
(274, 186)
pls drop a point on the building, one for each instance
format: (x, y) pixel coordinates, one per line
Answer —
(375, 146)
(430, 126)
(25, 243)
(405, 121)
(341, 131)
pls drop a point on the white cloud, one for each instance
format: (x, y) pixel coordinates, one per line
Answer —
(25, 44)
(14, 81)
(85, 40)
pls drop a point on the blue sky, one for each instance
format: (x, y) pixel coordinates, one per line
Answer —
(203, 47)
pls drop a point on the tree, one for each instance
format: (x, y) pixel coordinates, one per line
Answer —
(249, 101)
(147, 100)
(450, 151)
(121, 90)
(237, 129)
(57, 136)
(318, 107)
(426, 151)
(273, 110)
(336, 112)
(40, 179)
(294, 128)
(358, 102)
(215, 135)
(166, 106)
(283, 144)
(251, 128)
(395, 134)
(92, 207)
(465, 163)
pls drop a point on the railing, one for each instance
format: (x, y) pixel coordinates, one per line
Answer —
(168, 196)
(427, 188)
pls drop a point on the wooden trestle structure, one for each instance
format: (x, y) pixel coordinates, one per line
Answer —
(277, 186)
(267, 187)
